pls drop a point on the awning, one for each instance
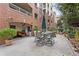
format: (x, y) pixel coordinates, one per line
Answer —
(43, 23)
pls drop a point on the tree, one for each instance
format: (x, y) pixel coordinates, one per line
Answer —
(70, 11)
(59, 25)
(70, 14)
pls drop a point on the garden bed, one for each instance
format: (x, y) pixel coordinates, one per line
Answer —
(6, 36)
(75, 44)
(73, 41)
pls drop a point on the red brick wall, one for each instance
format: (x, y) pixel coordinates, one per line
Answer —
(3, 16)
(6, 12)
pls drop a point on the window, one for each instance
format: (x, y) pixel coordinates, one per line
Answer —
(44, 11)
(44, 5)
(48, 5)
(40, 5)
(36, 16)
(51, 8)
(12, 26)
(36, 4)
(23, 11)
(13, 6)
(48, 20)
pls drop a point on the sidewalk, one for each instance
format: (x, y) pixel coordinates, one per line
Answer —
(26, 47)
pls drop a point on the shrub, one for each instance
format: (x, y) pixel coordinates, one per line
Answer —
(71, 33)
(7, 33)
(35, 29)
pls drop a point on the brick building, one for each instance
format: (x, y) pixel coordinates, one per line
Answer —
(21, 16)
(25, 16)
(49, 15)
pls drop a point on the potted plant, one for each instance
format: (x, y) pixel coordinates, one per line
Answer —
(7, 34)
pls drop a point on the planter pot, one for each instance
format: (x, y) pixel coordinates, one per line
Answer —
(8, 42)
(2, 41)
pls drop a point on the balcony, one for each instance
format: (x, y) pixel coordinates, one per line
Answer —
(44, 5)
(20, 9)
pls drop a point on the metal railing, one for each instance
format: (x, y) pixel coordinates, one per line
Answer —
(15, 7)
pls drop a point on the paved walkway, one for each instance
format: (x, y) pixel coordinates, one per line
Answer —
(26, 47)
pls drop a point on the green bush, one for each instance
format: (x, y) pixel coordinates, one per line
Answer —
(71, 33)
(35, 29)
(7, 33)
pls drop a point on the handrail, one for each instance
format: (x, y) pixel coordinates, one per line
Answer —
(19, 9)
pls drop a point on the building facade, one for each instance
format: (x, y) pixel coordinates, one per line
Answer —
(21, 16)
(26, 16)
(49, 15)
(45, 9)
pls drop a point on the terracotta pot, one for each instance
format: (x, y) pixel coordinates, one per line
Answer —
(2, 41)
(8, 42)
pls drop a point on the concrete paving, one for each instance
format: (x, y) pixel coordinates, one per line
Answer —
(26, 47)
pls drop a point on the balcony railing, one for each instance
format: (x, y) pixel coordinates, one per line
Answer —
(15, 7)
(44, 5)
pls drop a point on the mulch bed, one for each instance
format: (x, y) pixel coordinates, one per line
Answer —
(75, 44)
